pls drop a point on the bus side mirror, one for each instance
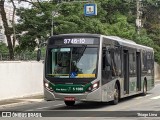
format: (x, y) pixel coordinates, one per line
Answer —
(38, 54)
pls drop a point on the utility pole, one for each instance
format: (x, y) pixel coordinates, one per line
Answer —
(139, 16)
(53, 14)
(52, 23)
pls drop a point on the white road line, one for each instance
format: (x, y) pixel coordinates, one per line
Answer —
(33, 100)
(154, 98)
(41, 108)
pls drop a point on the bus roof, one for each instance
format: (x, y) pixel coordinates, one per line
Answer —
(79, 34)
(121, 41)
(126, 42)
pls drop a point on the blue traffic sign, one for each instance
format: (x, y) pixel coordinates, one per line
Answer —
(90, 9)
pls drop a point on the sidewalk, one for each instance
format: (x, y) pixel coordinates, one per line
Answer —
(157, 81)
(20, 101)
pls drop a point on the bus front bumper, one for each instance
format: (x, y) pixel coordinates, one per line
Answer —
(88, 96)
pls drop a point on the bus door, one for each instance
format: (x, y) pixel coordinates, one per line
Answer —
(126, 71)
(138, 69)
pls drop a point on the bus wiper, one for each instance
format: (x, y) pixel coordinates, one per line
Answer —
(58, 74)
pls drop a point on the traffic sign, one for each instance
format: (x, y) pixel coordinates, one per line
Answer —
(90, 9)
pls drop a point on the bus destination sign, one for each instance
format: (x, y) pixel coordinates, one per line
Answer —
(78, 41)
(66, 41)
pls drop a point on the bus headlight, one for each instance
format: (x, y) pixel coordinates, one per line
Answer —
(93, 87)
(47, 86)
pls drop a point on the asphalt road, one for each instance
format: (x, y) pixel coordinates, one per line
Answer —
(140, 107)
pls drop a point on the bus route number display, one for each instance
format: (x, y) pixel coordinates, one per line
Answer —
(79, 41)
(75, 41)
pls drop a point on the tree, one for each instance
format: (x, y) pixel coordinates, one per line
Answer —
(11, 31)
(8, 31)
(115, 17)
(3, 48)
(34, 26)
(152, 19)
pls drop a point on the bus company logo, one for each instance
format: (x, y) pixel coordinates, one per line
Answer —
(69, 88)
(6, 114)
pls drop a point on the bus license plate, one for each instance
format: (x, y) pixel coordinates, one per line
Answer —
(69, 99)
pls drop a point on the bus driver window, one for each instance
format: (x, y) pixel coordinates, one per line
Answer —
(106, 65)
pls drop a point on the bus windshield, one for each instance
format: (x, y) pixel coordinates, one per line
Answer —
(72, 62)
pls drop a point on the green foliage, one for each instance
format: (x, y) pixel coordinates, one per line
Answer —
(3, 48)
(33, 28)
(122, 28)
(115, 17)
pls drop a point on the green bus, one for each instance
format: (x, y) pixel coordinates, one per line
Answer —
(94, 67)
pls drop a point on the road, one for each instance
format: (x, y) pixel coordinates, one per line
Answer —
(148, 107)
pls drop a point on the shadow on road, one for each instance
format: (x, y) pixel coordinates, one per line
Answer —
(94, 105)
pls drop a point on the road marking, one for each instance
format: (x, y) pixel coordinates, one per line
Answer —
(42, 108)
(154, 98)
(33, 100)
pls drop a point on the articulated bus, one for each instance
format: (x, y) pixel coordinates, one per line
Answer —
(94, 67)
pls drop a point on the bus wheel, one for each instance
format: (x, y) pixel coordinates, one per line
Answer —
(116, 95)
(69, 103)
(144, 88)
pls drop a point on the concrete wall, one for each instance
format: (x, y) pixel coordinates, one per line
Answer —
(19, 79)
(157, 71)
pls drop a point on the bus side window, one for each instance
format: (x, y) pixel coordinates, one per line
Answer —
(108, 61)
(132, 64)
(106, 70)
(118, 62)
(144, 62)
(113, 63)
(149, 62)
(104, 59)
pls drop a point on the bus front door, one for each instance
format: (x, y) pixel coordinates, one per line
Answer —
(138, 69)
(126, 71)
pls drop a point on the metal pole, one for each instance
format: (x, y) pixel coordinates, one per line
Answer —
(137, 20)
(52, 25)
(139, 15)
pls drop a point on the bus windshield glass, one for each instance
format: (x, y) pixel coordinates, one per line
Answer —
(72, 62)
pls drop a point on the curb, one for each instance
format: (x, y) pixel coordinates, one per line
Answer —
(21, 101)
